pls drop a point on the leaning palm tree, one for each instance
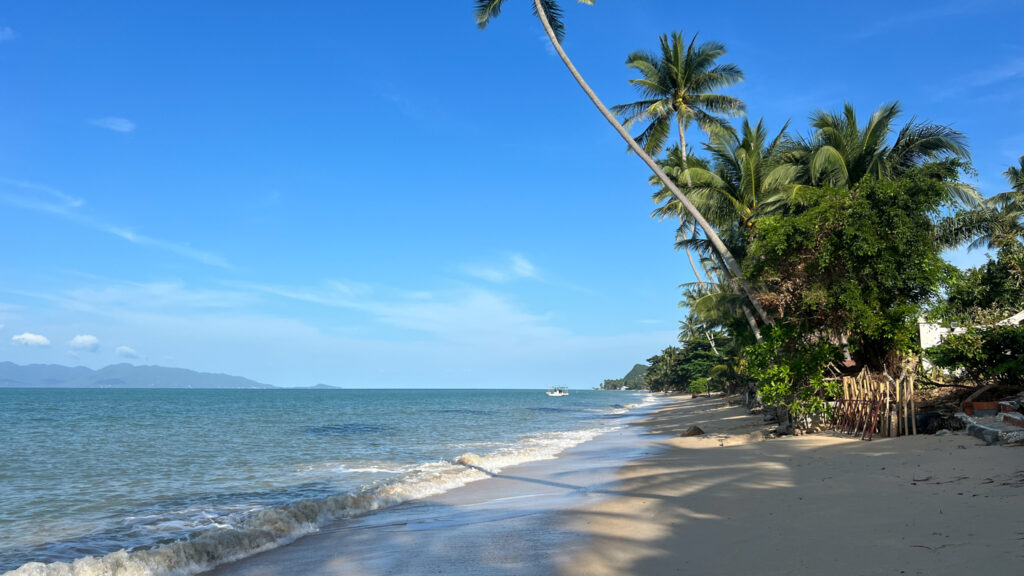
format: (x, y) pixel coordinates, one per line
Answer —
(678, 87)
(549, 14)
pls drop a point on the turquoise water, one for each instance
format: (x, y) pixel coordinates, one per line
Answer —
(180, 480)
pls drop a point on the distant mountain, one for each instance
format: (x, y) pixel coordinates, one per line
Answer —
(325, 387)
(116, 376)
(632, 381)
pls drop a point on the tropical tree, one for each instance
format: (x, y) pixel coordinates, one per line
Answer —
(745, 179)
(840, 152)
(861, 261)
(549, 13)
(997, 223)
(678, 86)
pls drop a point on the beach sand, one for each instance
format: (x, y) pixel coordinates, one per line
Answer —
(644, 501)
(726, 503)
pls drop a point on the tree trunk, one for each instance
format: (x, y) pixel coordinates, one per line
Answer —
(700, 281)
(709, 232)
(682, 149)
(752, 322)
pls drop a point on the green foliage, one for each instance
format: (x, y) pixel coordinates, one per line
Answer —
(679, 83)
(983, 295)
(790, 370)
(980, 354)
(676, 369)
(700, 386)
(861, 261)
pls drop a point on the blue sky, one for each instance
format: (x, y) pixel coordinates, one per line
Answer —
(380, 194)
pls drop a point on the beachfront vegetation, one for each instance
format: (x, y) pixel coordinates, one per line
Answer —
(841, 234)
(812, 250)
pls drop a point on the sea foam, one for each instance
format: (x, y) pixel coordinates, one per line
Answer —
(269, 528)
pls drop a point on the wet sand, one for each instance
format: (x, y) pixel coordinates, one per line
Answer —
(508, 524)
(644, 501)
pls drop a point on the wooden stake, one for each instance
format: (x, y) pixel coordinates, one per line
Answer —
(913, 403)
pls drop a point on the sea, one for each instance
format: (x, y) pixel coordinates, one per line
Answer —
(176, 481)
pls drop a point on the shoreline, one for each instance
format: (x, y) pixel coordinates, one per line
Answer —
(507, 523)
(643, 500)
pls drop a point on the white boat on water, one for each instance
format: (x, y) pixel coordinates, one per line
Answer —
(558, 391)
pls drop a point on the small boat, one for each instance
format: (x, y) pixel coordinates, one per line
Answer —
(558, 391)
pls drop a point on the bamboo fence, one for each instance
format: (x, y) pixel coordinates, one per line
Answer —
(873, 404)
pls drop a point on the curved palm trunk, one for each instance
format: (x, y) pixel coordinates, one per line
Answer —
(733, 266)
(752, 322)
(700, 281)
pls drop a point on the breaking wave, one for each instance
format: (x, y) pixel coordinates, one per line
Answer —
(276, 526)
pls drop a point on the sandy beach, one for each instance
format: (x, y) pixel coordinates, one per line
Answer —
(643, 500)
(726, 503)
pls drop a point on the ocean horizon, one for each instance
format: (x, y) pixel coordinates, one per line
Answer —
(176, 481)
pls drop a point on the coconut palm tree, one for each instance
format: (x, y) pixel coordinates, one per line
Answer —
(746, 179)
(997, 223)
(486, 10)
(840, 153)
(678, 86)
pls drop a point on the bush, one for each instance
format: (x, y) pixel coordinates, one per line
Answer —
(979, 354)
(790, 370)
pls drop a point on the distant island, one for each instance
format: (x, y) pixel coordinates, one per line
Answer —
(634, 380)
(119, 376)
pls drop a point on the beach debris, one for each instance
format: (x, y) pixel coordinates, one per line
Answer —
(693, 431)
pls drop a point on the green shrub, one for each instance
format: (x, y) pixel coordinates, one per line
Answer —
(980, 354)
(790, 370)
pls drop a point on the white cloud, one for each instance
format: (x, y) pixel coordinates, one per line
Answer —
(7, 35)
(126, 352)
(114, 123)
(85, 343)
(30, 339)
(516, 267)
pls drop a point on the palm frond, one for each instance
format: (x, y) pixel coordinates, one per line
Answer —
(486, 10)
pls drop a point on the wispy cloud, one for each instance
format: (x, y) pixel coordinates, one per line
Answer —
(30, 339)
(473, 316)
(916, 15)
(1002, 74)
(40, 198)
(7, 35)
(114, 123)
(514, 268)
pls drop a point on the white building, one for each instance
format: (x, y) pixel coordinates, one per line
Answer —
(933, 334)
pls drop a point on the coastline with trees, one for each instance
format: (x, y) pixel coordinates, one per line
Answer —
(815, 256)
